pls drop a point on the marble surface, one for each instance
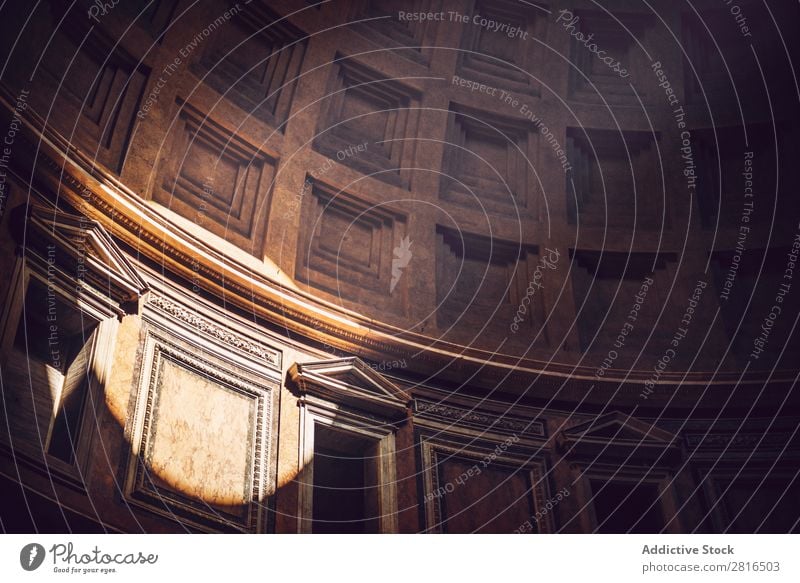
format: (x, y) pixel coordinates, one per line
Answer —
(200, 440)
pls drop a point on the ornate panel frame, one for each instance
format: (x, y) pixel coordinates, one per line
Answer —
(260, 479)
(524, 455)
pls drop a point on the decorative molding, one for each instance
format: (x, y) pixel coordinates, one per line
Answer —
(462, 416)
(748, 441)
(616, 435)
(735, 440)
(349, 381)
(142, 489)
(81, 249)
(482, 452)
(754, 425)
(270, 356)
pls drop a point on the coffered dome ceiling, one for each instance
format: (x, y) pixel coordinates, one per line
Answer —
(438, 185)
(399, 266)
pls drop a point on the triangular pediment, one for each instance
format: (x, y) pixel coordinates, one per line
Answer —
(618, 428)
(350, 381)
(79, 242)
